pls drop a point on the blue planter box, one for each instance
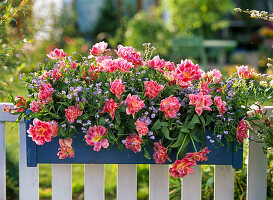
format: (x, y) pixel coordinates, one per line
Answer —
(84, 154)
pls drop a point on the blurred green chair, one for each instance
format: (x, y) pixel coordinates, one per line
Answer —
(189, 48)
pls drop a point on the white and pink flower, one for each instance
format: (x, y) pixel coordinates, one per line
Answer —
(95, 137)
(170, 106)
(201, 102)
(65, 150)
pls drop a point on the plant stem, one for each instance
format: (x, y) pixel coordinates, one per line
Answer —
(181, 147)
(193, 144)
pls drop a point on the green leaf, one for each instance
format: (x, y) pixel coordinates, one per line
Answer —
(146, 153)
(185, 130)
(209, 119)
(184, 147)
(156, 125)
(166, 133)
(117, 117)
(179, 140)
(195, 120)
(164, 124)
(102, 121)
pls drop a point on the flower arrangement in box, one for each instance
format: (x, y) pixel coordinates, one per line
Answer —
(135, 101)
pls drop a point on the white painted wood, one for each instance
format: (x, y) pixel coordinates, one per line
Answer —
(7, 117)
(256, 169)
(223, 182)
(94, 182)
(28, 176)
(61, 182)
(159, 182)
(2, 162)
(127, 182)
(191, 185)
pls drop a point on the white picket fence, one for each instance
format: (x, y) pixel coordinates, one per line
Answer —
(127, 176)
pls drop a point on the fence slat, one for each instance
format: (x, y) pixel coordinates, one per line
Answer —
(257, 168)
(7, 117)
(94, 182)
(28, 176)
(223, 182)
(61, 182)
(159, 182)
(2, 162)
(127, 182)
(191, 185)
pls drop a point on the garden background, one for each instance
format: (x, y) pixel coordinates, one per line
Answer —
(31, 29)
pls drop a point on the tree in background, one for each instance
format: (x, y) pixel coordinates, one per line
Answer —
(200, 17)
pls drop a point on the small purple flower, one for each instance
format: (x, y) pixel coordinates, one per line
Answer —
(83, 99)
(251, 138)
(88, 122)
(106, 120)
(219, 137)
(71, 126)
(153, 116)
(84, 124)
(208, 137)
(111, 124)
(150, 133)
(211, 141)
(97, 116)
(69, 96)
(226, 132)
(123, 141)
(77, 99)
(63, 92)
(152, 137)
(79, 121)
(63, 125)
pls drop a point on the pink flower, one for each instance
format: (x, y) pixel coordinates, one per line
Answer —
(183, 84)
(54, 128)
(204, 88)
(123, 65)
(109, 65)
(221, 105)
(255, 109)
(99, 48)
(72, 113)
(56, 74)
(182, 167)
(20, 104)
(187, 71)
(134, 104)
(141, 127)
(94, 137)
(45, 91)
(170, 75)
(156, 64)
(130, 55)
(110, 107)
(160, 153)
(198, 156)
(152, 88)
(244, 73)
(7, 108)
(73, 65)
(241, 133)
(215, 75)
(117, 88)
(41, 132)
(56, 53)
(65, 150)
(170, 106)
(200, 102)
(133, 142)
(36, 106)
(169, 66)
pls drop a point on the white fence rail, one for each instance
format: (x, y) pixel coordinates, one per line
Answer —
(127, 176)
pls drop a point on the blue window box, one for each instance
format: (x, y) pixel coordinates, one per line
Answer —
(84, 154)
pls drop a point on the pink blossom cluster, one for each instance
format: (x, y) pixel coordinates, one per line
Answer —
(160, 153)
(184, 166)
(133, 142)
(42, 131)
(99, 48)
(152, 89)
(96, 137)
(66, 149)
(110, 107)
(201, 102)
(170, 106)
(130, 55)
(242, 129)
(134, 104)
(56, 53)
(221, 105)
(72, 112)
(243, 72)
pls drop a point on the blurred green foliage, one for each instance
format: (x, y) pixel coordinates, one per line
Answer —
(201, 17)
(145, 27)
